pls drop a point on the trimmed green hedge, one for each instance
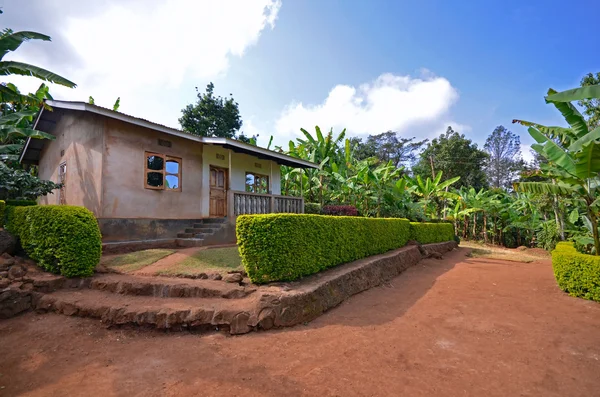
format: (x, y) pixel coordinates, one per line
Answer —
(62, 239)
(312, 208)
(428, 233)
(285, 247)
(2, 207)
(9, 209)
(577, 274)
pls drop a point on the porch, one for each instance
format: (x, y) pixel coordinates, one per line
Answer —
(242, 203)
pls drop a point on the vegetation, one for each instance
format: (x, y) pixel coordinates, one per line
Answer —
(21, 185)
(62, 239)
(2, 209)
(211, 115)
(137, 260)
(576, 273)
(427, 233)
(278, 247)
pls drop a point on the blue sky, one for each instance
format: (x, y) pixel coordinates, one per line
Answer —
(368, 66)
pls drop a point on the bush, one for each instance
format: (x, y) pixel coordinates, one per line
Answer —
(312, 208)
(285, 247)
(340, 210)
(547, 236)
(62, 239)
(577, 274)
(427, 233)
(9, 210)
(2, 207)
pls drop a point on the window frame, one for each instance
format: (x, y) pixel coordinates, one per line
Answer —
(164, 172)
(261, 176)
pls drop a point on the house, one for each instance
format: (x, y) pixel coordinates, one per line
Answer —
(151, 185)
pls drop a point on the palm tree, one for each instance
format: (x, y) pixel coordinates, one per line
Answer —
(573, 154)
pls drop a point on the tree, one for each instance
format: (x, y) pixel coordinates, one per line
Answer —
(388, 146)
(11, 41)
(504, 151)
(431, 189)
(573, 155)
(454, 155)
(591, 106)
(19, 184)
(211, 115)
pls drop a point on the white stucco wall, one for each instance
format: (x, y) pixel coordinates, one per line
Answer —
(240, 164)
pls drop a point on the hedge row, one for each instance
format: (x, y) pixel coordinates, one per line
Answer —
(60, 238)
(285, 247)
(428, 233)
(2, 208)
(9, 209)
(577, 274)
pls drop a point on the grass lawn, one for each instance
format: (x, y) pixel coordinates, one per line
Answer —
(212, 260)
(136, 260)
(507, 254)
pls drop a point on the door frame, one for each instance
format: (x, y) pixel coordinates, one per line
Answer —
(225, 189)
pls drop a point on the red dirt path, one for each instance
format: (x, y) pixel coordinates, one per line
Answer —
(457, 327)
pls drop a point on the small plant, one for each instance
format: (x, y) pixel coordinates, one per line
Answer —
(312, 208)
(340, 210)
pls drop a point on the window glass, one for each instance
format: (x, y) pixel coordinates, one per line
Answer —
(172, 182)
(172, 167)
(155, 163)
(249, 183)
(154, 179)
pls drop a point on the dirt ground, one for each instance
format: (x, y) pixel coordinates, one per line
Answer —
(457, 327)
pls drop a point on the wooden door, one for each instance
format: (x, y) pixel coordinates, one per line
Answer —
(218, 192)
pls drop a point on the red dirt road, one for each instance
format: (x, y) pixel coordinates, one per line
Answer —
(457, 327)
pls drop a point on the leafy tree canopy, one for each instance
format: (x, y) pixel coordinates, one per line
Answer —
(454, 155)
(591, 106)
(504, 162)
(211, 115)
(387, 146)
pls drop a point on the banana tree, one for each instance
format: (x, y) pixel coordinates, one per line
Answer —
(573, 154)
(431, 189)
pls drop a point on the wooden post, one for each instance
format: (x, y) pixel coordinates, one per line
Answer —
(230, 206)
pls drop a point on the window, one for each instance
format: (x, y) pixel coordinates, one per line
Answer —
(257, 183)
(162, 172)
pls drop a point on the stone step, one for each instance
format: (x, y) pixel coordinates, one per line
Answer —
(164, 287)
(185, 235)
(201, 229)
(171, 313)
(213, 220)
(189, 242)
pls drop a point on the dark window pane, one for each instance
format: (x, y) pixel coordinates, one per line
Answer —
(154, 179)
(172, 167)
(155, 163)
(172, 181)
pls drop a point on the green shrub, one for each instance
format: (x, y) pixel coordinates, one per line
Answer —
(577, 274)
(62, 239)
(285, 247)
(9, 209)
(427, 233)
(2, 207)
(312, 208)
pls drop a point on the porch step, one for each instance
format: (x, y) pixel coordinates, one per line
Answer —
(213, 220)
(201, 229)
(185, 235)
(189, 242)
(170, 313)
(163, 287)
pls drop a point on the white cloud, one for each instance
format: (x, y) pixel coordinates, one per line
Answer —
(144, 50)
(414, 106)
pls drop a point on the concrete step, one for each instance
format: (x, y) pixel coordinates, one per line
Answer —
(170, 313)
(189, 242)
(207, 221)
(201, 229)
(185, 235)
(164, 287)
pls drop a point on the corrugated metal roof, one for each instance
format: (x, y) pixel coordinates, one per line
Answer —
(46, 121)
